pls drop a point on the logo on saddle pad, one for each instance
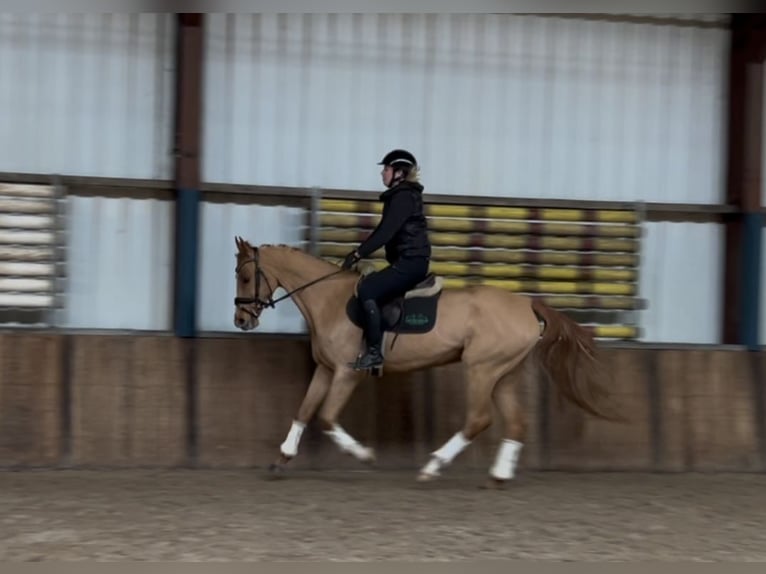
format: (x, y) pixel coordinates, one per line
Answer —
(415, 312)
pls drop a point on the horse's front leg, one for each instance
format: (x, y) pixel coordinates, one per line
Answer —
(344, 382)
(320, 384)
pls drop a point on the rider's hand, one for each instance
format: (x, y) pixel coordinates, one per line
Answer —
(350, 259)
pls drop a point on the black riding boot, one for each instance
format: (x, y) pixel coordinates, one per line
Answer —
(373, 336)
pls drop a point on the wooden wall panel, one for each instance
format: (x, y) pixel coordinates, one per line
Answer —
(128, 401)
(249, 390)
(720, 405)
(758, 366)
(30, 399)
(710, 416)
(398, 424)
(121, 400)
(160, 401)
(583, 442)
(672, 419)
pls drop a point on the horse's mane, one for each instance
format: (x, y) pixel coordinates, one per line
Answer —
(280, 245)
(285, 246)
(292, 248)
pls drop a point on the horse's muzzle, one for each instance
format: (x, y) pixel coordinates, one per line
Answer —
(245, 319)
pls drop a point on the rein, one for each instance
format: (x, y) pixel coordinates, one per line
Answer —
(270, 302)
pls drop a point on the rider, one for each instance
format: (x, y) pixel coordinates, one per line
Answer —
(403, 231)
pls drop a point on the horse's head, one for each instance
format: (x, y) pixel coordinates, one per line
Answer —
(254, 290)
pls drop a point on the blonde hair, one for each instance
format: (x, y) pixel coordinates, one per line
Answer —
(413, 175)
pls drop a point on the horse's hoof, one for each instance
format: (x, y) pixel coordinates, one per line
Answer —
(431, 470)
(277, 469)
(275, 472)
(369, 457)
(493, 483)
(426, 477)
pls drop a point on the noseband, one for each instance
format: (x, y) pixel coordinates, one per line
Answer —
(261, 304)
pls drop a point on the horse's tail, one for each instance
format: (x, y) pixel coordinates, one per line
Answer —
(568, 354)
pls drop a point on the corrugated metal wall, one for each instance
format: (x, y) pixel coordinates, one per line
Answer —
(120, 266)
(682, 278)
(221, 222)
(86, 94)
(503, 105)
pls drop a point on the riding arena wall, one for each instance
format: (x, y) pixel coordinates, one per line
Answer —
(128, 400)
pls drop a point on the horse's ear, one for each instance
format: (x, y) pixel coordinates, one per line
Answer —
(238, 242)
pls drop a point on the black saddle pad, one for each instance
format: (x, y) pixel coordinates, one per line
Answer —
(402, 315)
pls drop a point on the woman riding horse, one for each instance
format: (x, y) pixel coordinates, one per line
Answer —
(403, 231)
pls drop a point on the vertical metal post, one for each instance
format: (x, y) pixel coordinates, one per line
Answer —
(188, 107)
(638, 314)
(744, 179)
(752, 259)
(316, 197)
(187, 238)
(58, 284)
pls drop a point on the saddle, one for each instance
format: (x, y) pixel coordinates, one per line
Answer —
(413, 312)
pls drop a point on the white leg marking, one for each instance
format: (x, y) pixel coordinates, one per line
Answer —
(506, 459)
(347, 443)
(290, 446)
(453, 447)
(445, 455)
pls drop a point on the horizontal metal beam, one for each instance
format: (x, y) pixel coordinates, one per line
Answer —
(84, 180)
(87, 186)
(301, 197)
(294, 196)
(721, 22)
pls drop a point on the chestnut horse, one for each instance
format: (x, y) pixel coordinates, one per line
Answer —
(489, 329)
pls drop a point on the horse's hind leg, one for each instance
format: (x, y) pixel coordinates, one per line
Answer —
(481, 380)
(514, 424)
(343, 384)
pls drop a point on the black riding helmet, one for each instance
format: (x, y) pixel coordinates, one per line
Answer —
(399, 159)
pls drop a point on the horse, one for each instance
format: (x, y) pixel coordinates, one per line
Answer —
(489, 329)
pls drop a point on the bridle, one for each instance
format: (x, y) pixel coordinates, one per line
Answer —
(260, 303)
